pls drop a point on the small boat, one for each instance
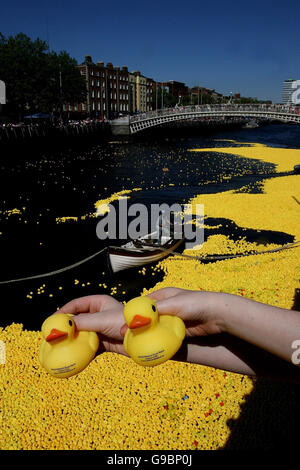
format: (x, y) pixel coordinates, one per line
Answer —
(143, 250)
(252, 124)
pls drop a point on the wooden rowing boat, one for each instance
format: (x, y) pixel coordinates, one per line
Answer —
(141, 251)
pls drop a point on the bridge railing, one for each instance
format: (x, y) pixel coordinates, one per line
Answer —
(276, 108)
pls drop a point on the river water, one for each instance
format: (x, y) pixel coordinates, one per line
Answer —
(38, 191)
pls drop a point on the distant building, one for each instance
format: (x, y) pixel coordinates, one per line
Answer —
(142, 89)
(177, 89)
(288, 90)
(200, 91)
(111, 90)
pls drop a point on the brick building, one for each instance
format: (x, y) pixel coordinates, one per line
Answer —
(112, 91)
(199, 92)
(176, 89)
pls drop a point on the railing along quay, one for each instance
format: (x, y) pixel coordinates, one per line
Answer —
(31, 132)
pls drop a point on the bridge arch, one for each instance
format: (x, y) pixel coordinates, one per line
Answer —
(155, 118)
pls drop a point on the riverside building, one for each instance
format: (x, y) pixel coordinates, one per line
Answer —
(112, 91)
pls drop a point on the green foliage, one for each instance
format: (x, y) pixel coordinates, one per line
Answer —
(37, 80)
(169, 101)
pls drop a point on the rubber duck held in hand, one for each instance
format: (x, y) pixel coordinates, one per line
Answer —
(65, 351)
(151, 339)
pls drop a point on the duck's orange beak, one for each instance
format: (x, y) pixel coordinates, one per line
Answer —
(55, 334)
(139, 320)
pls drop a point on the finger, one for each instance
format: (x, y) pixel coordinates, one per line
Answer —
(88, 304)
(80, 305)
(164, 293)
(108, 322)
(123, 330)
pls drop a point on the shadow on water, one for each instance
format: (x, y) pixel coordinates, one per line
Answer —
(227, 227)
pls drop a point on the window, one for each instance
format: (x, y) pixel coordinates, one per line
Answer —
(99, 106)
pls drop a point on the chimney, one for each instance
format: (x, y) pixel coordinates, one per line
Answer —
(88, 58)
(100, 63)
(109, 65)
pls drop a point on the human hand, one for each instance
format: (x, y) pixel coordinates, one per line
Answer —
(100, 313)
(195, 308)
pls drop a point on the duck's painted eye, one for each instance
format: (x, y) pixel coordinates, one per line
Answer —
(70, 323)
(153, 308)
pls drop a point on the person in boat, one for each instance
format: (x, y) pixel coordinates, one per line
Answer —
(163, 226)
(224, 331)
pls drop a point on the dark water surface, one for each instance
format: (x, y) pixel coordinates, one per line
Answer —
(68, 183)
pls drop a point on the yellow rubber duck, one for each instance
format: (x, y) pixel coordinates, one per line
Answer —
(151, 339)
(65, 351)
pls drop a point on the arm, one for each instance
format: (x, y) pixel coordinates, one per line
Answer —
(234, 355)
(253, 338)
(271, 328)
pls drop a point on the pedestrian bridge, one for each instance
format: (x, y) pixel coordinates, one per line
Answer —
(140, 122)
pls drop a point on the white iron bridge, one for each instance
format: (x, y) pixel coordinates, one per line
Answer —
(140, 122)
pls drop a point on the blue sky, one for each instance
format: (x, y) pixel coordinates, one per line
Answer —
(230, 46)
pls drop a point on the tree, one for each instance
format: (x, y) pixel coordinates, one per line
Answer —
(36, 79)
(65, 83)
(169, 100)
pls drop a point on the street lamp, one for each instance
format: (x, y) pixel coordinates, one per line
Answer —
(2, 94)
